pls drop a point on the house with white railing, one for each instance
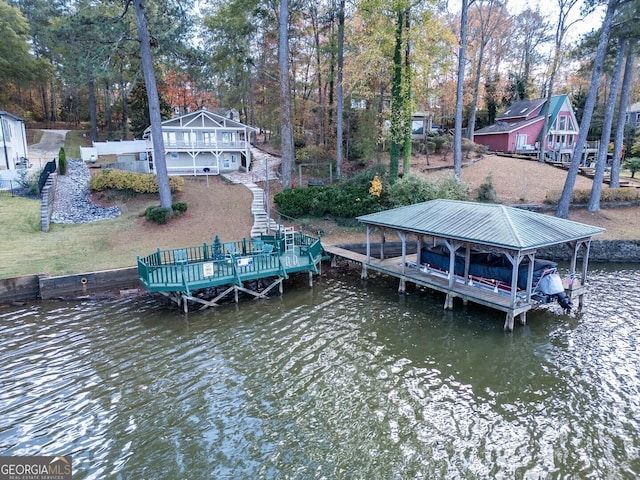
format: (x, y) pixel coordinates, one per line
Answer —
(13, 142)
(203, 143)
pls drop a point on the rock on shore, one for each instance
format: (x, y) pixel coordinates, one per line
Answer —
(72, 201)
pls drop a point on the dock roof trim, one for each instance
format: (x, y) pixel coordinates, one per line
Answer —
(485, 224)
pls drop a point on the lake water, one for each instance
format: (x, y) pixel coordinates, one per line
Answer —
(345, 380)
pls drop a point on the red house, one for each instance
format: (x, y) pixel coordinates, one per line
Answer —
(518, 128)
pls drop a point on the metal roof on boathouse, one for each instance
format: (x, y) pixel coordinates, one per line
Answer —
(487, 224)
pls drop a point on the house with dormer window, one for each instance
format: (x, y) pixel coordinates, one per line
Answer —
(517, 129)
(203, 143)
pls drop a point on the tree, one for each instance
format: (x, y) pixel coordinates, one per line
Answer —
(491, 15)
(633, 165)
(139, 107)
(339, 94)
(596, 187)
(565, 7)
(565, 198)
(622, 110)
(462, 48)
(533, 29)
(159, 158)
(286, 123)
(16, 62)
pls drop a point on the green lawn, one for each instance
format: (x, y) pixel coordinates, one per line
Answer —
(64, 249)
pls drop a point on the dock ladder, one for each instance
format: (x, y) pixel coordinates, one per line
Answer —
(289, 242)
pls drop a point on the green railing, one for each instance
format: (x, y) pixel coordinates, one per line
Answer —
(206, 265)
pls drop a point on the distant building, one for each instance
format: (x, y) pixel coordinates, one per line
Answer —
(518, 128)
(13, 142)
(633, 116)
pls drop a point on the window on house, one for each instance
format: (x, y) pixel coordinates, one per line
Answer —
(563, 123)
(169, 138)
(227, 137)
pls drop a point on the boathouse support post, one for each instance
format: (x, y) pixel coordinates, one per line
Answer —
(453, 247)
(402, 288)
(585, 263)
(508, 323)
(515, 264)
(532, 261)
(467, 263)
(310, 278)
(363, 275)
(382, 242)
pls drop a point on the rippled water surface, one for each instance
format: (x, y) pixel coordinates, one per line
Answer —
(345, 380)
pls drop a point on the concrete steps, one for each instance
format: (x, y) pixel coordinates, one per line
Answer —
(260, 162)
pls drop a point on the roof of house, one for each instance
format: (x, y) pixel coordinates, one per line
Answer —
(506, 127)
(528, 106)
(484, 224)
(4, 113)
(521, 109)
(557, 101)
(633, 108)
(204, 119)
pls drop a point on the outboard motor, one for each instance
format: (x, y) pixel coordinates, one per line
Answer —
(551, 284)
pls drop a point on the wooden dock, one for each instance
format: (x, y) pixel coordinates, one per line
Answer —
(436, 280)
(179, 273)
(482, 293)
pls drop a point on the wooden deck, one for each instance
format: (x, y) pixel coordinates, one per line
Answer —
(436, 280)
(178, 273)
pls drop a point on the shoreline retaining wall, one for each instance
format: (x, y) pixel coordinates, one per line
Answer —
(30, 287)
(84, 284)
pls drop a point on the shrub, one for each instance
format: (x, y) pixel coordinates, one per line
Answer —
(294, 202)
(159, 215)
(312, 154)
(179, 207)
(130, 182)
(29, 182)
(365, 177)
(414, 189)
(62, 162)
(439, 142)
(342, 200)
(632, 164)
(486, 192)
(581, 195)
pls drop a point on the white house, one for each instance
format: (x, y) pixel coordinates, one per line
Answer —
(203, 142)
(13, 142)
(633, 116)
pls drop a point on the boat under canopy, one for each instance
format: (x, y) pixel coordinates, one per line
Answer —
(463, 233)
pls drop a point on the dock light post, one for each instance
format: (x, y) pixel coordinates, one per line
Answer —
(267, 194)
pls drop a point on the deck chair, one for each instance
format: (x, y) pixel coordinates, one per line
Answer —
(257, 246)
(180, 257)
(231, 248)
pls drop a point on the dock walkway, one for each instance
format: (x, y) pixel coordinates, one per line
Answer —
(435, 280)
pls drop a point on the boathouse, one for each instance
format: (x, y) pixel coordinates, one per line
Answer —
(464, 228)
(186, 274)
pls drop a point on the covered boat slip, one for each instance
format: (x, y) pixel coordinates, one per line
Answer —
(178, 273)
(464, 228)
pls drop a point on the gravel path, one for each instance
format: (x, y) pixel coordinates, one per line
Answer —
(72, 201)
